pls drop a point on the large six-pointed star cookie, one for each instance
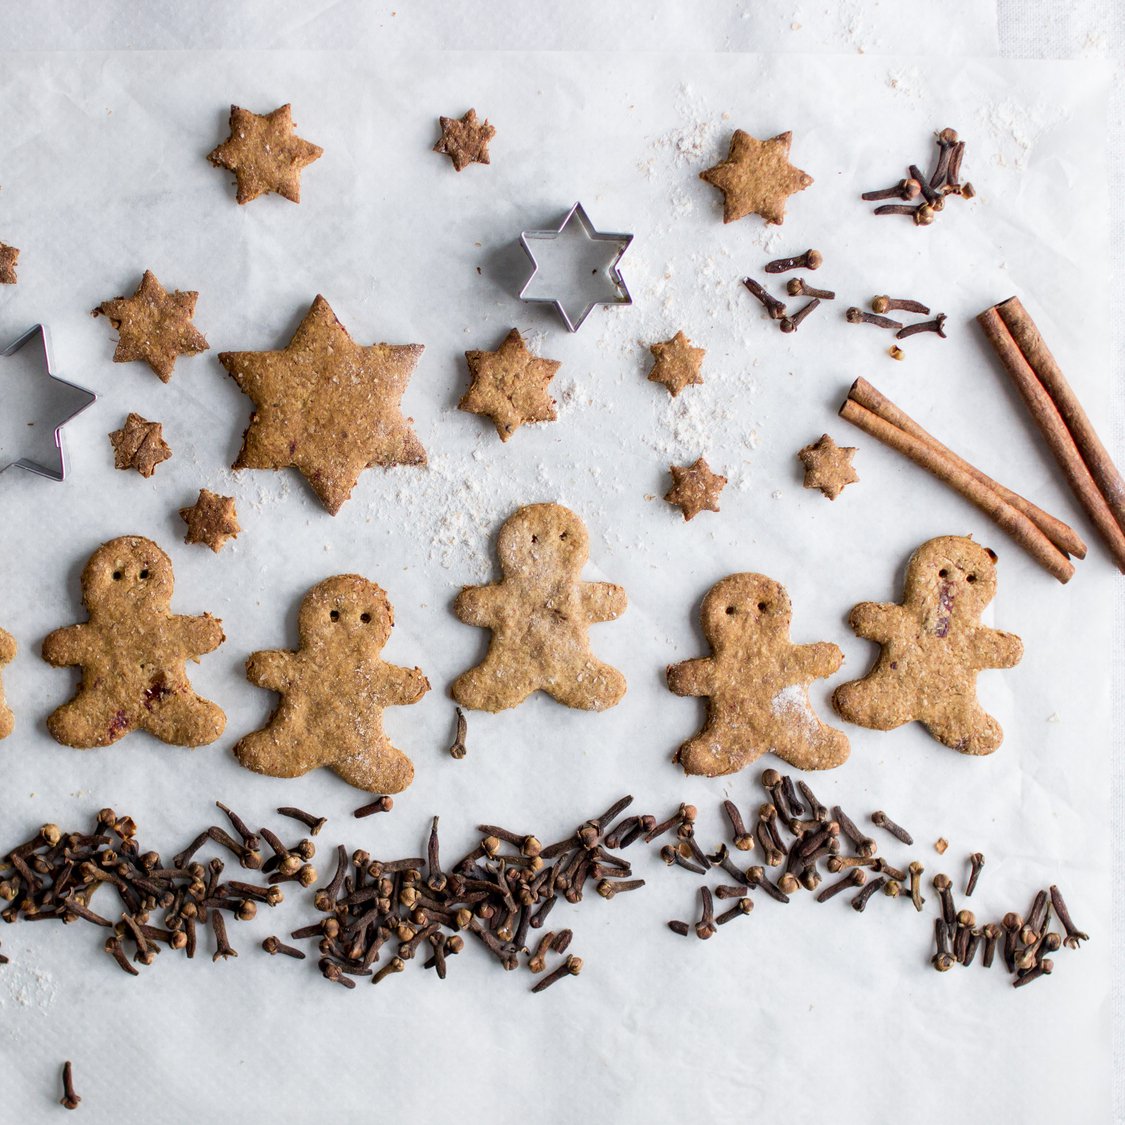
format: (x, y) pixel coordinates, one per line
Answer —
(756, 178)
(326, 406)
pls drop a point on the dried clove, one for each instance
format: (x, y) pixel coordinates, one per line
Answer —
(858, 316)
(976, 862)
(885, 304)
(571, 967)
(797, 287)
(810, 259)
(1074, 936)
(383, 804)
(773, 306)
(859, 903)
(458, 749)
(792, 323)
(856, 877)
(741, 838)
(314, 823)
(936, 325)
(70, 1099)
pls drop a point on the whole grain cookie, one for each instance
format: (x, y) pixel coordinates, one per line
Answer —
(677, 364)
(154, 326)
(539, 614)
(756, 178)
(132, 653)
(326, 406)
(933, 647)
(756, 684)
(140, 445)
(265, 154)
(510, 386)
(828, 466)
(7, 655)
(465, 140)
(695, 488)
(9, 256)
(211, 520)
(333, 690)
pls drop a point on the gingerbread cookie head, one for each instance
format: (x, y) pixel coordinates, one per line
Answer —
(541, 539)
(953, 577)
(742, 608)
(126, 576)
(346, 610)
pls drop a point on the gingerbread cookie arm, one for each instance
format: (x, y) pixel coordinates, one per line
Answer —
(692, 677)
(7, 647)
(198, 635)
(875, 621)
(272, 669)
(479, 605)
(818, 660)
(67, 646)
(401, 686)
(602, 601)
(997, 649)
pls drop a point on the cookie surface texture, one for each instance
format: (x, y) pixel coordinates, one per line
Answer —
(132, 653)
(756, 684)
(756, 178)
(140, 445)
(509, 386)
(326, 406)
(933, 647)
(7, 655)
(539, 614)
(264, 153)
(333, 691)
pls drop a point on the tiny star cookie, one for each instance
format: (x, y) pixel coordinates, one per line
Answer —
(265, 154)
(539, 614)
(695, 488)
(7, 655)
(756, 684)
(333, 690)
(677, 363)
(132, 653)
(465, 140)
(828, 466)
(509, 386)
(756, 178)
(326, 406)
(140, 445)
(154, 326)
(211, 520)
(933, 647)
(9, 256)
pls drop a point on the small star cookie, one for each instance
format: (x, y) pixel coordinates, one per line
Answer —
(140, 445)
(265, 154)
(211, 520)
(828, 466)
(326, 406)
(695, 488)
(756, 178)
(465, 140)
(9, 256)
(154, 326)
(677, 363)
(510, 386)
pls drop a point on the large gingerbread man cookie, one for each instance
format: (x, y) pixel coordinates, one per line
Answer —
(539, 614)
(7, 654)
(333, 692)
(933, 647)
(132, 653)
(756, 684)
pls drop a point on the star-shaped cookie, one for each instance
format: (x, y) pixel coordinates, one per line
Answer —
(510, 386)
(211, 520)
(756, 178)
(264, 153)
(154, 325)
(828, 466)
(9, 256)
(465, 140)
(695, 488)
(677, 363)
(326, 406)
(140, 445)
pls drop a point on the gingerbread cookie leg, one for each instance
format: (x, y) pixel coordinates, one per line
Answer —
(270, 751)
(184, 718)
(88, 721)
(719, 748)
(380, 768)
(493, 685)
(985, 733)
(594, 688)
(869, 703)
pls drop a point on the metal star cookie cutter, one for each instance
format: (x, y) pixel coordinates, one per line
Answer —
(75, 399)
(597, 279)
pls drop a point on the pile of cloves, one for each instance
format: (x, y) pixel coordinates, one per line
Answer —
(883, 304)
(796, 287)
(932, 190)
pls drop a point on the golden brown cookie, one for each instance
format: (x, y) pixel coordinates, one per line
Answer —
(333, 691)
(933, 647)
(154, 326)
(7, 655)
(756, 178)
(756, 684)
(326, 406)
(828, 466)
(9, 256)
(510, 386)
(677, 363)
(264, 153)
(695, 488)
(539, 614)
(465, 140)
(140, 445)
(211, 520)
(132, 653)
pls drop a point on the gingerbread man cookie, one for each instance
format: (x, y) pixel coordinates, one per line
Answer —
(756, 684)
(933, 647)
(7, 654)
(333, 692)
(539, 613)
(132, 653)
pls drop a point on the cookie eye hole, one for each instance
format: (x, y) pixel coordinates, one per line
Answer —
(335, 615)
(535, 539)
(762, 607)
(143, 575)
(971, 578)
(117, 576)
(365, 618)
(731, 610)
(562, 534)
(943, 573)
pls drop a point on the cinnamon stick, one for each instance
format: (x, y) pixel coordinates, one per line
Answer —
(1062, 535)
(1010, 519)
(1061, 420)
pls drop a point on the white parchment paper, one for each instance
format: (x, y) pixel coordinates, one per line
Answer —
(793, 1010)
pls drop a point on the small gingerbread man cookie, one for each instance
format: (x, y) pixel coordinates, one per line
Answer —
(756, 684)
(933, 647)
(333, 692)
(539, 613)
(132, 653)
(7, 654)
